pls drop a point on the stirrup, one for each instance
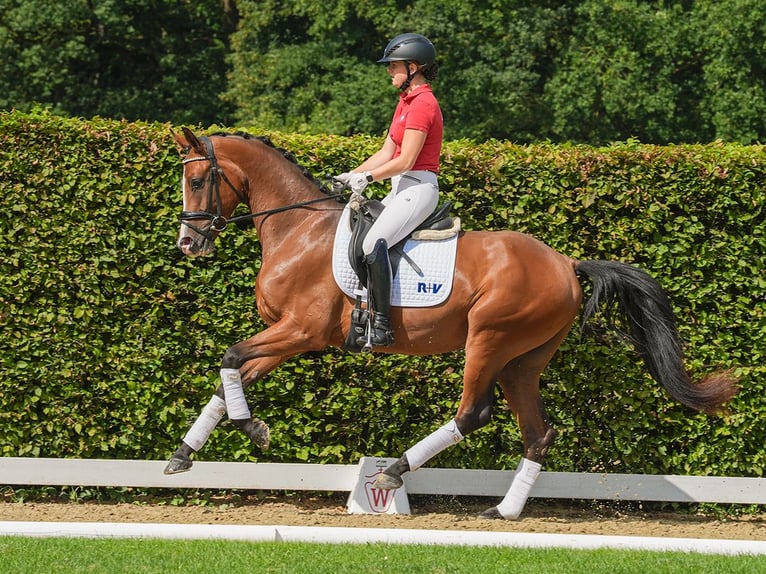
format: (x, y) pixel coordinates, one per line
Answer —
(376, 336)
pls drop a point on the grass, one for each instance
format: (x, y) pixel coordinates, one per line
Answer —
(137, 556)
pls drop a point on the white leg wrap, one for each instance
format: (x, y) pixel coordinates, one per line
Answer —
(433, 444)
(207, 420)
(236, 405)
(513, 503)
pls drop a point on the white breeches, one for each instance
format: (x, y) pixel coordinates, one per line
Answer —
(414, 196)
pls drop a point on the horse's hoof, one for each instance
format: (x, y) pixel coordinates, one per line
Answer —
(178, 464)
(492, 514)
(260, 434)
(387, 481)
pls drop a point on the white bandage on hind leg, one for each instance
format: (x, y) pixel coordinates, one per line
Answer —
(433, 444)
(207, 420)
(513, 503)
(236, 405)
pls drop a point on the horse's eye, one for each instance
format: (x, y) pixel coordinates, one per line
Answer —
(197, 183)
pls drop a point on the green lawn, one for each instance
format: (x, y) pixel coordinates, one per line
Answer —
(115, 556)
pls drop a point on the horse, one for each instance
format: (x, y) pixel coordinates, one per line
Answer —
(513, 301)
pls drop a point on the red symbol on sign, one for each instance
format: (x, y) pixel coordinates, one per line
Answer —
(379, 499)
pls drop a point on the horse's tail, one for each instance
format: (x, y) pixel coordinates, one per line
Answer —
(648, 320)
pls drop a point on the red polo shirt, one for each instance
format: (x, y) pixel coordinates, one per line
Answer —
(419, 110)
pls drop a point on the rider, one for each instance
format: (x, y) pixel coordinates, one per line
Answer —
(410, 157)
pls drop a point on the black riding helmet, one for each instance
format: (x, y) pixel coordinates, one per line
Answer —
(410, 47)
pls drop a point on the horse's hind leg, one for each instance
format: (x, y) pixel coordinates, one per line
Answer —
(520, 381)
(474, 412)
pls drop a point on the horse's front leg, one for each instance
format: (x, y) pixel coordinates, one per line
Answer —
(243, 364)
(239, 412)
(197, 435)
(223, 401)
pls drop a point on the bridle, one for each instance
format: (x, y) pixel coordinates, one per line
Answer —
(218, 221)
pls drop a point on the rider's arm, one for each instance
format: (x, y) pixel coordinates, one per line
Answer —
(382, 164)
(380, 157)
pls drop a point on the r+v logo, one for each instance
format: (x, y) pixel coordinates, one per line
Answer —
(432, 288)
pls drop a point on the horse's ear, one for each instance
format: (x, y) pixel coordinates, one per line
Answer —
(193, 141)
(182, 145)
(187, 142)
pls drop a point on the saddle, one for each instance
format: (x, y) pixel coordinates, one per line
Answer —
(438, 225)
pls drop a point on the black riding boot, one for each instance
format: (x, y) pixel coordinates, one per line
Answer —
(379, 287)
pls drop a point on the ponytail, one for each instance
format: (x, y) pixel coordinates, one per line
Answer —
(430, 71)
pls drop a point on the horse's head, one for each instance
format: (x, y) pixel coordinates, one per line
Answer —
(210, 193)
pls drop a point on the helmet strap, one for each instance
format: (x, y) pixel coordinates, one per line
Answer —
(410, 76)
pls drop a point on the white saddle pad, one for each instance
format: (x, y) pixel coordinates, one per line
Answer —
(432, 286)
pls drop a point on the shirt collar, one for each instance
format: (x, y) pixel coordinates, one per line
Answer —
(414, 93)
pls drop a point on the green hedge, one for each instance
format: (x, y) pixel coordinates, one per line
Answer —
(112, 340)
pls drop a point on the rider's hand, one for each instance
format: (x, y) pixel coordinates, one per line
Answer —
(344, 177)
(357, 182)
(340, 182)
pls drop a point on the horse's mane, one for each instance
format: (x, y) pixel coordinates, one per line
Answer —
(288, 155)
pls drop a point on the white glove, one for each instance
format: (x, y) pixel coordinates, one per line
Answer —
(340, 182)
(344, 177)
(358, 182)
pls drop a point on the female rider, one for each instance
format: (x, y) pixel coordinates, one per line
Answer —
(410, 157)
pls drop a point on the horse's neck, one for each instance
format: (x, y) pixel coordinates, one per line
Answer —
(311, 227)
(276, 183)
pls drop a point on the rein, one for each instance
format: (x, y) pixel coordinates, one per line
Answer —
(217, 221)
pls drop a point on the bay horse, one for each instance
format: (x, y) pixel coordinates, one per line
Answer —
(513, 301)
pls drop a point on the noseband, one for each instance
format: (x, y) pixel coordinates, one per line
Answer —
(218, 221)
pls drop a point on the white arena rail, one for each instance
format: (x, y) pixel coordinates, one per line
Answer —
(343, 478)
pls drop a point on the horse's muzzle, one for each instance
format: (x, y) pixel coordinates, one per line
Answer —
(194, 248)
